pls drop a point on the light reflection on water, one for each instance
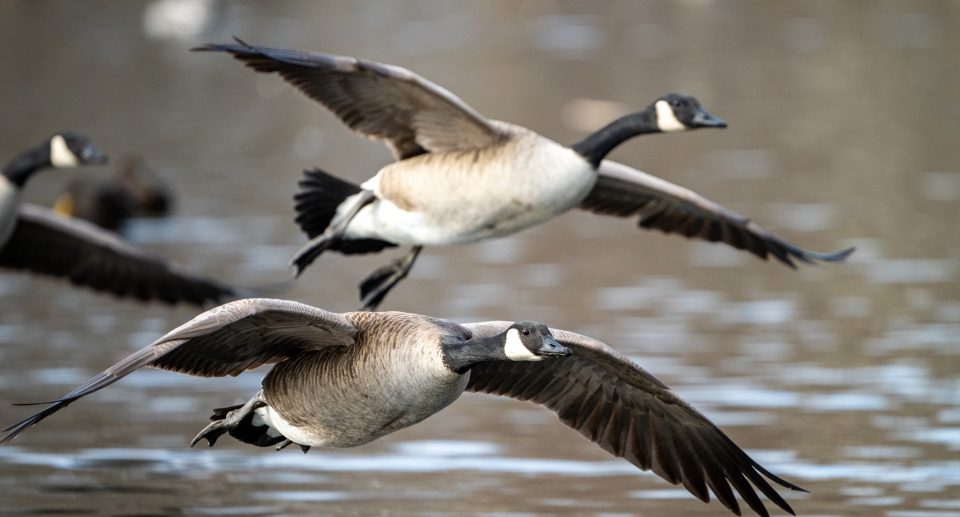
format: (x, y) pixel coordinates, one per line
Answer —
(431, 457)
(840, 378)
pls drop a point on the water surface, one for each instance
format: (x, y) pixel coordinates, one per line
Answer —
(843, 130)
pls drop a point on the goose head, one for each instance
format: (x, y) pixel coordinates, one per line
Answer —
(521, 341)
(61, 150)
(671, 113)
(676, 112)
(531, 341)
(70, 149)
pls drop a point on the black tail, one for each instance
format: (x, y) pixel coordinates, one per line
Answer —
(245, 431)
(321, 194)
(316, 203)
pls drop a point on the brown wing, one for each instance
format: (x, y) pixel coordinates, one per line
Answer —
(382, 102)
(626, 192)
(225, 340)
(89, 256)
(630, 414)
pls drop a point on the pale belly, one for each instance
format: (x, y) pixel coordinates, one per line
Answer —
(9, 208)
(477, 201)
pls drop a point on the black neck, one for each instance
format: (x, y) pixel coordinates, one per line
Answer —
(598, 144)
(19, 169)
(459, 355)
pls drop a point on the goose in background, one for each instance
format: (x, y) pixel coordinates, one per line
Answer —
(460, 177)
(35, 239)
(343, 380)
(109, 198)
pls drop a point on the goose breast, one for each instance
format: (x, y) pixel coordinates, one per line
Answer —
(465, 196)
(392, 378)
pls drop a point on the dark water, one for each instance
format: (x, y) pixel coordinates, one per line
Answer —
(843, 131)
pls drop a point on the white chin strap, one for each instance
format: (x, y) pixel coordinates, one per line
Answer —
(666, 120)
(515, 350)
(61, 155)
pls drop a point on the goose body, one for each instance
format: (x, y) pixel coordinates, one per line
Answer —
(323, 408)
(520, 182)
(460, 177)
(35, 239)
(342, 380)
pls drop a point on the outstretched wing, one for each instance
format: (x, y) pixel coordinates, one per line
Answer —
(382, 102)
(46, 243)
(626, 192)
(225, 340)
(630, 414)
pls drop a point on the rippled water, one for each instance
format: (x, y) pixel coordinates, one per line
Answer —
(843, 131)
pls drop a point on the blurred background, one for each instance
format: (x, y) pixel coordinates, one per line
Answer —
(844, 128)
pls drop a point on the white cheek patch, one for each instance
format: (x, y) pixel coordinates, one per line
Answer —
(666, 120)
(515, 350)
(60, 154)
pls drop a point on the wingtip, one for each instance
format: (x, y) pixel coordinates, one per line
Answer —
(779, 480)
(10, 432)
(786, 259)
(784, 483)
(207, 47)
(42, 403)
(839, 256)
(836, 256)
(813, 258)
(223, 47)
(787, 508)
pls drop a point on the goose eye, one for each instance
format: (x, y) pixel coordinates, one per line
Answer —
(526, 332)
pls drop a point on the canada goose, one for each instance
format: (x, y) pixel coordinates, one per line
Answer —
(35, 239)
(461, 177)
(108, 200)
(343, 380)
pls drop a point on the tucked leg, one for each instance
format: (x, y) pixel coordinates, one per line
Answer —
(317, 245)
(284, 444)
(375, 287)
(230, 421)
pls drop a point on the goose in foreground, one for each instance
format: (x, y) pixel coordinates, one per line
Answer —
(35, 239)
(460, 177)
(133, 189)
(343, 380)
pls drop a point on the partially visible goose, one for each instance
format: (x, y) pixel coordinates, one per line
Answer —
(133, 189)
(35, 239)
(343, 380)
(461, 177)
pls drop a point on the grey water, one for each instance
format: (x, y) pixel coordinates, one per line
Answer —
(844, 122)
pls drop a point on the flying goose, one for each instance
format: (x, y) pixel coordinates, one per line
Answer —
(133, 189)
(343, 380)
(35, 239)
(460, 177)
